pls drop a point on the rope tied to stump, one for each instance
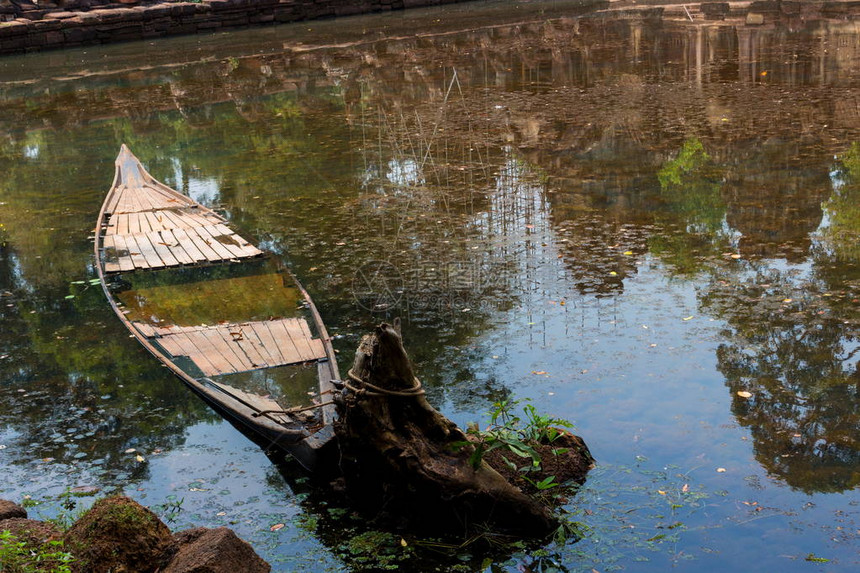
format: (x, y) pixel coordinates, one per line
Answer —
(371, 390)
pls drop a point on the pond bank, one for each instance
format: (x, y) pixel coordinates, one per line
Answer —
(118, 534)
(26, 26)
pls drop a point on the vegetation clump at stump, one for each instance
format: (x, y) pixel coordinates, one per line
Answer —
(405, 461)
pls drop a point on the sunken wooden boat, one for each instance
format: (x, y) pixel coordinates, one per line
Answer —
(225, 317)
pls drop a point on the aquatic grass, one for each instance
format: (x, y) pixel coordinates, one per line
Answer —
(17, 556)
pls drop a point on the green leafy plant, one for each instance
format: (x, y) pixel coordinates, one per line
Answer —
(518, 435)
(169, 510)
(18, 556)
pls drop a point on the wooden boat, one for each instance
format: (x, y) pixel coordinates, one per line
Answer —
(170, 266)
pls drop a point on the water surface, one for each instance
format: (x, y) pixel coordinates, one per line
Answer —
(643, 225)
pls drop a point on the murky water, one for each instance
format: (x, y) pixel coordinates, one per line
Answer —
(646, 226)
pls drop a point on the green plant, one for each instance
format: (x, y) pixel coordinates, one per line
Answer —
(519, 436)
(18, 556)
(169, 510)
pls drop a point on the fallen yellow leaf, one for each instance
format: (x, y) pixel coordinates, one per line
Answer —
(744, 394)
(276, 527)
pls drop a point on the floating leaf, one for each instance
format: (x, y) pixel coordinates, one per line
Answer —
(403, 542)
(68, 296)
(140, 458)
(688, 317)
(721, 470)
(277, 527)
(744, 394)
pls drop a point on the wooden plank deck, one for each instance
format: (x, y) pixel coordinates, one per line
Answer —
(151, 226)
(239, 347)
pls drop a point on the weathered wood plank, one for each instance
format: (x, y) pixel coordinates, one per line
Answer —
(247, 249)
(126, 263)
(121, 227)
(316, 344)
(204, 244)
(224, 349)
(188, 245)
(154, 220)
(133, 200)
(292, 354)
(142, 220)
(171, 345)
(268, 343)
(145, 329)
(190, 349)
(142, 194)
(164, 197)
(222, 251)
(111, 204)
(235, 345)
(162, 249)
(318, 348)
(172, 219)
(228, 240)
(202, 218)
(242, 337)
(110, 256)
(207, 352)
(133, 223)
(297, 336)
(255, 347)
(123, 204)
(134, 252)
(176, 249)
(148, 251)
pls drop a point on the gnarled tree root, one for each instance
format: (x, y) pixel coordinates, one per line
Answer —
(402, 458)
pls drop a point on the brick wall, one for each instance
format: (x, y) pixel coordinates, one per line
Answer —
(26, 26)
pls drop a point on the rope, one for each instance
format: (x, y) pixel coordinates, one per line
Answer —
(369, 389)
(291, 410)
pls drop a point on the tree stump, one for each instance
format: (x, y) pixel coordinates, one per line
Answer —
(401, 458)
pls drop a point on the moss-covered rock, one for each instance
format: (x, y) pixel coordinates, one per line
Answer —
(118, 535)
